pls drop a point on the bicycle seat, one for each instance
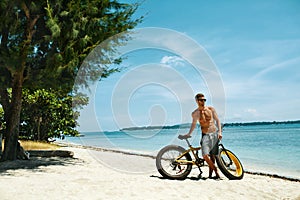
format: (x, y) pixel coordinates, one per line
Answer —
(182, 137)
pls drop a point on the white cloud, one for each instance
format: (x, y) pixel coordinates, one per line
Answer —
(284, 65)
(251, 111)
(172, 61)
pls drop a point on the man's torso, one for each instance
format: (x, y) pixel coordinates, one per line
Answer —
(206, 120)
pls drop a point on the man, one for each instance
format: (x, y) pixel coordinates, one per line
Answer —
(211, 132)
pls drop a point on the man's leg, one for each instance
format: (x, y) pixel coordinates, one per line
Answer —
(212, 158)
(211, 165)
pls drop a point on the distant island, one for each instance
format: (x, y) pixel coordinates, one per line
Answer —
(187, 125)
(261, 123)
(178, 126)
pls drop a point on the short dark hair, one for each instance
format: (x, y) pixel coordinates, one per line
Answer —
(199, 95)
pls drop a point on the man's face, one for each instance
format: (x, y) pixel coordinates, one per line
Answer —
(201, 101)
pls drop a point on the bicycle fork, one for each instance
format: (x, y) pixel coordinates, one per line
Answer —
(230, 161)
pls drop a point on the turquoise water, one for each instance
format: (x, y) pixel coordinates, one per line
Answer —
(272, 149)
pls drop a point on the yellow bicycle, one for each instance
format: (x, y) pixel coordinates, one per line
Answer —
(175, 162)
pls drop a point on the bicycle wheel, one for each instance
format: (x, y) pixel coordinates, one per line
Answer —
(168, 167)
(230, 165)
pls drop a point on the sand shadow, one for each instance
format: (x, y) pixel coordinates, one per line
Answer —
(34, 164)
(190, 178)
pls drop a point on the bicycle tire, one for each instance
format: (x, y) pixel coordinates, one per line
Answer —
(168, 168)
(233, 170)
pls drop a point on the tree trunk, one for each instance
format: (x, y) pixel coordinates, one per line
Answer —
(13, 121)
(13, 108)
(0, 143)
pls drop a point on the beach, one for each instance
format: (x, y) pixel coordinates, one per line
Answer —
(96, 174)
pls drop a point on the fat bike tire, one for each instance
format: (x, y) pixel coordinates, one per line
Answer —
(230, 165)
(168, 167)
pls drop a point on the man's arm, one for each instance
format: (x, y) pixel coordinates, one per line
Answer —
(218, 123)
(194, 123)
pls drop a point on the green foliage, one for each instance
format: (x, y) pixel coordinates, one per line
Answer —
(42, 46)
(54, 37)
(48, 113)
(1, 117)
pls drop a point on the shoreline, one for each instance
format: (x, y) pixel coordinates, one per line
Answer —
(66, 144)
(87, 176)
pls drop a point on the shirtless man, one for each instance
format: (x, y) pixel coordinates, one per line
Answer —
(211, 131)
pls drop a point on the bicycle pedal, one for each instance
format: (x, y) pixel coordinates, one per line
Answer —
(180, 170)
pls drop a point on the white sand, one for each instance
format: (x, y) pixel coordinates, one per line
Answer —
(108, 175)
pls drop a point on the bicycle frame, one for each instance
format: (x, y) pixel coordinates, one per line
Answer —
(199, 162)
(194, 151)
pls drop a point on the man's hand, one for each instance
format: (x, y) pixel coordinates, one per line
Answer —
(220, 136)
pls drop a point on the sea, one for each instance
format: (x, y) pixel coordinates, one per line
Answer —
(272, 149)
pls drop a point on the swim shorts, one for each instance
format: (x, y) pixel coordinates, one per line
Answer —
(209, 143)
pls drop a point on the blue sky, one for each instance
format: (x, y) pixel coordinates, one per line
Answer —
(255, 46)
